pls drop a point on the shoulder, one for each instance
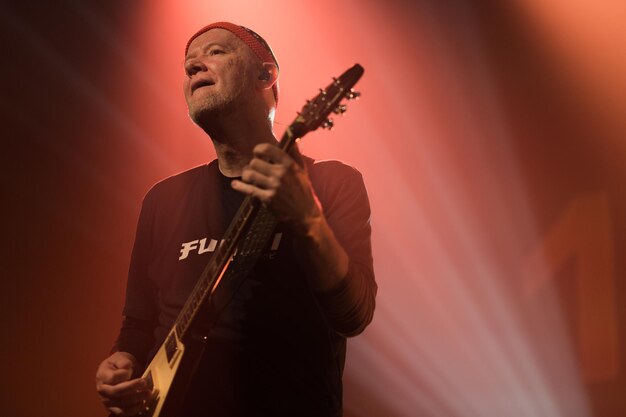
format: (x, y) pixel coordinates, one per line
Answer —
(331, 170)
(336, 184)
(178, 183)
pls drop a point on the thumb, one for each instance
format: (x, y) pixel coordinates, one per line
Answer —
(119, 375)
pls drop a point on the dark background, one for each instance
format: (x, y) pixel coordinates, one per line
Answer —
(83, 138)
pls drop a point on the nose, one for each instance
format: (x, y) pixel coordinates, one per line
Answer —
(193, 66)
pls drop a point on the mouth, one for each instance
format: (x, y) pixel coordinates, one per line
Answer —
(201, 83)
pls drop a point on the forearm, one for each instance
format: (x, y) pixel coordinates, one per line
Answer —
(325, 259)
(135, 338)
(345, 290)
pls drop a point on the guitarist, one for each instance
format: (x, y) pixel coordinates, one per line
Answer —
(278, 347)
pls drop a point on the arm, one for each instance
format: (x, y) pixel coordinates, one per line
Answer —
(340, 266)
(119, 392)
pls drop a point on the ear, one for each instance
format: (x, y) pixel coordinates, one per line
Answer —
(268, 74)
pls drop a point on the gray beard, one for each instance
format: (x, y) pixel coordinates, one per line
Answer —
(209, 115)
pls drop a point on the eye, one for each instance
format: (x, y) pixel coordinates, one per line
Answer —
(216, 51)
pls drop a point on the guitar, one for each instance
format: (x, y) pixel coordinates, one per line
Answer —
(170, 371)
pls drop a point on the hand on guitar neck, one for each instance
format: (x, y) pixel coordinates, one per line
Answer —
(120, 394)
(276, 179)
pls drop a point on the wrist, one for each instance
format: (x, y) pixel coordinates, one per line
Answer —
(309, 226)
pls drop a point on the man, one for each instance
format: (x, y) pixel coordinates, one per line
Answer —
(278, 348)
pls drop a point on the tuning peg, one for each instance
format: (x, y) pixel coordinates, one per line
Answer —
(340, 109)
(336, 81)
(328, 124)
(322, 94)
(352, 95)
(310, 104)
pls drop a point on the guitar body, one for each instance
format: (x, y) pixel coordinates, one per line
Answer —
(170, 372)
(161, 373)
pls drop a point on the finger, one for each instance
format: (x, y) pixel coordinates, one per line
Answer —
(116, 411)
(135, 410)
(120, 375)
(126, 412)
(128, 398)
(113, 377)
(273, 153)
(262, 194)
(125, 404)
(128, 404)
(121, 389)
(262, 166)
(253, 177)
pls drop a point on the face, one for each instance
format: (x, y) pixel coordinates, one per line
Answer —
(220, 71)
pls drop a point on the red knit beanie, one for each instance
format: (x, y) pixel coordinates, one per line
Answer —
(258, 45)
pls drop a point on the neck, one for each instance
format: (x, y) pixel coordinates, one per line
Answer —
(234, 137)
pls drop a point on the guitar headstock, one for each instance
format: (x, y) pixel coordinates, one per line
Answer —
(316, 111)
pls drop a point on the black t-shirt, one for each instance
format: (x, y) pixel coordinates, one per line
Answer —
(278, 348)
